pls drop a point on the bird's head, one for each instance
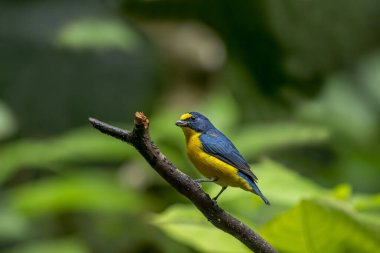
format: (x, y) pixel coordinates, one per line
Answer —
(194, 121)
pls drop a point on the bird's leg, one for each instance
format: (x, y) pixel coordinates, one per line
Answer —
(202, 180)
(222, 190)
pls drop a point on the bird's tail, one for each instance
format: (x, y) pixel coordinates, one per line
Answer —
(255, 188)
(258, 192)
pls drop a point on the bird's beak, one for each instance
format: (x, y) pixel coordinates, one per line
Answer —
(181, 123)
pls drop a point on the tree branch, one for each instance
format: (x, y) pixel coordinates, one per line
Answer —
(141, 140)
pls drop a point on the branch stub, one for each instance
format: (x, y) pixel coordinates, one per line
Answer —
(141, 119)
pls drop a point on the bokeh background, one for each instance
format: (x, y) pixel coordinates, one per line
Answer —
(294, 84)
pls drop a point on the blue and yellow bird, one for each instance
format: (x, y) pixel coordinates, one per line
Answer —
(214, 155)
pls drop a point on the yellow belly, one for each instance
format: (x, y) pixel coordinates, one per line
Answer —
(212, 167)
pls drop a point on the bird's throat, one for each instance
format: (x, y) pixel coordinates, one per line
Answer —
(189, 133)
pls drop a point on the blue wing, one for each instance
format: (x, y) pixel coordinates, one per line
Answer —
(218, 145)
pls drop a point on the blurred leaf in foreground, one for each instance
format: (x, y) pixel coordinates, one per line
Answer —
(186, 224)
(321, 226)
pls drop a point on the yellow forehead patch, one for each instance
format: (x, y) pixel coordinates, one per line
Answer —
(185, 116)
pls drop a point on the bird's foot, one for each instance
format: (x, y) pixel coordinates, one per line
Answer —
(202, 180)
(199, 184)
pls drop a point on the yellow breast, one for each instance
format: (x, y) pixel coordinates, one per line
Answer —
(210, 166)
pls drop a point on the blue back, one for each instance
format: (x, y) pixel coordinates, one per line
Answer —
(218, 145)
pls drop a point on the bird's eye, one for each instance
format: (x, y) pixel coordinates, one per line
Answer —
(192, 118)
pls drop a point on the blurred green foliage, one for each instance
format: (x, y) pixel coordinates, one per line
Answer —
(294, 84)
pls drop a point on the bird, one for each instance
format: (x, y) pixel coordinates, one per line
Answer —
(215, 156)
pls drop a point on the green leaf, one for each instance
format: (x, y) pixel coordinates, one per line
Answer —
(95, 33)
(95, 191)
(320, 226)
(67, 245)
(187, 225)
(80, 145)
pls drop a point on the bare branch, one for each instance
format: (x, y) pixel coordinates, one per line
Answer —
(141, 140)
(118, 133)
